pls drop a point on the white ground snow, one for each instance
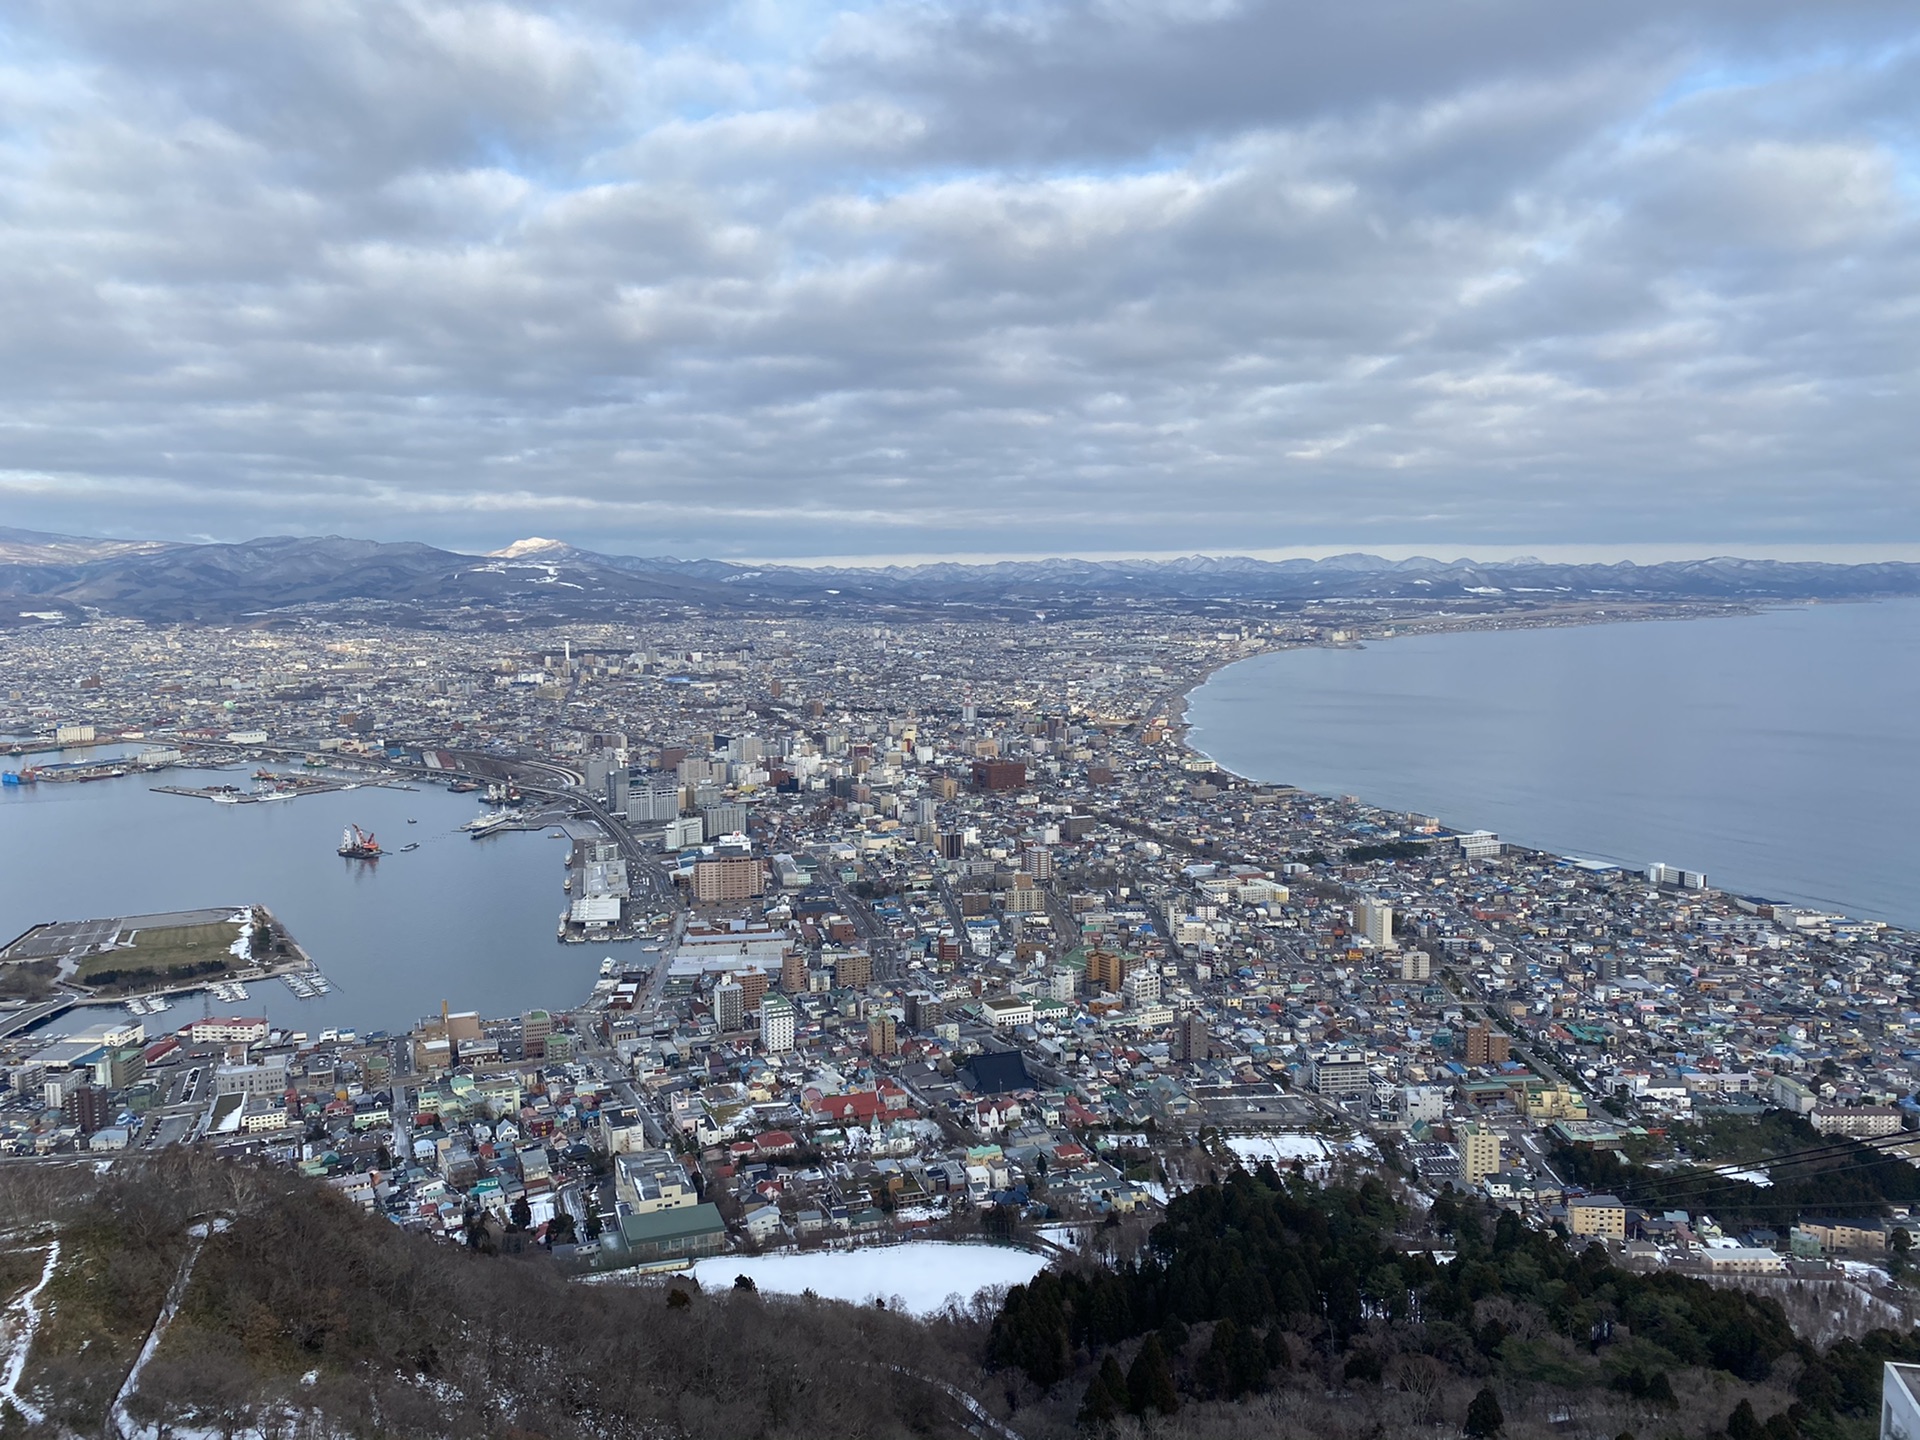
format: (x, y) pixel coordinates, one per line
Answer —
(28, 1309)
(1282, 1150)
(1752, 1177)
(924, 1274)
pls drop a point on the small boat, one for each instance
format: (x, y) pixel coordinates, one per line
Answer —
(410, 845)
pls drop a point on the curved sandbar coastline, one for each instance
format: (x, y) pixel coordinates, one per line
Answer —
(1744, 751)
(1171, 710)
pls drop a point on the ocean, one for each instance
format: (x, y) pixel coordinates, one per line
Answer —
(1775, 751)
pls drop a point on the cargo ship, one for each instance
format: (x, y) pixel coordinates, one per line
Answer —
(358, 844)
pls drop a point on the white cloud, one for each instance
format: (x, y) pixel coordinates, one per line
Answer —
(1127, 275)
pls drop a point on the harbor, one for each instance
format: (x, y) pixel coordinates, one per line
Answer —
(438, 918)
(270, 787)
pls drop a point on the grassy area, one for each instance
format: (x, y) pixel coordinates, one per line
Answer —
(157, 956)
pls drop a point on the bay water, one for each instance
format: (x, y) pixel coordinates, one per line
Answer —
(1778, 752)
(470, 922)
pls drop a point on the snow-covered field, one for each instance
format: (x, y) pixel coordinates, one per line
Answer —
(1315, 1153)
(1282, 1150)
(923, 1274)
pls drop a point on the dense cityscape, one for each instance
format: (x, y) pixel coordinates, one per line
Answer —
(930, 928)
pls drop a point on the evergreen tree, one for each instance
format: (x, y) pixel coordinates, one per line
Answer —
(1213, 1370)
(1743, 1424)
(1150, 1381)
(1483, 1415)
(1660, 1391)
(1106, 1395)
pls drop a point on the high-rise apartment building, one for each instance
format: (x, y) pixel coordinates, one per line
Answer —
(1373, 921)
(793, 972)
(1479, 1150)
(776, 1025)
(728, 877)
(924, 1010)
(883, 1036)
(1106, 971)
(729, 1005)
(1193, 1040)
(1487, 1046)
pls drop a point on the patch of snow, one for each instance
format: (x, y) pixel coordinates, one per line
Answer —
(242, 947)
(28, 1308)
(1282, 1150)
(1752, 1177)
(924, 1275)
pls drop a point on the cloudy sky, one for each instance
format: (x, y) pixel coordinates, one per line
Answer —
(919, 277)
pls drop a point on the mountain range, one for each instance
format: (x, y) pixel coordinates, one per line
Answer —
(167, 582)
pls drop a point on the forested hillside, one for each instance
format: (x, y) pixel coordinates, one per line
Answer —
(1269, 1302)
(1265, 1306)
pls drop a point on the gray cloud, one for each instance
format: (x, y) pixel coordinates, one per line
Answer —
(918, 277)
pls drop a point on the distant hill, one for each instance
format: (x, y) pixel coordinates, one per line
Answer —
(36, 547)
(228, 582)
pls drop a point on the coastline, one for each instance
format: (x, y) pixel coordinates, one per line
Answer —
(1174, 713)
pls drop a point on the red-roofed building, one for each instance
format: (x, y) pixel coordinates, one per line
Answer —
(860, 1107)
(775, 1142)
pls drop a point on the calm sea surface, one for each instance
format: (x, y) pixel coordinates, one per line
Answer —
(467, 921)
(1776, 752)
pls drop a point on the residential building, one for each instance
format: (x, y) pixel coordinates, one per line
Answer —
(729, 1005)
(722, 878)
(1487, 1046)
(1479, 1150)
(1860, 1122)
(1373, 920)
(776, 1024)
(1601, 1216)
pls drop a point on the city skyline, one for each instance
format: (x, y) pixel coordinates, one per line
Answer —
(925, 282)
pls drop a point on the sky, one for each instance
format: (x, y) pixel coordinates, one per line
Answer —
(920, 278)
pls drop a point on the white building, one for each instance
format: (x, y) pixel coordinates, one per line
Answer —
(1007, 1012)
(1340, 1073)
(1142, 986)
(1374, 920)
(776, 1025)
